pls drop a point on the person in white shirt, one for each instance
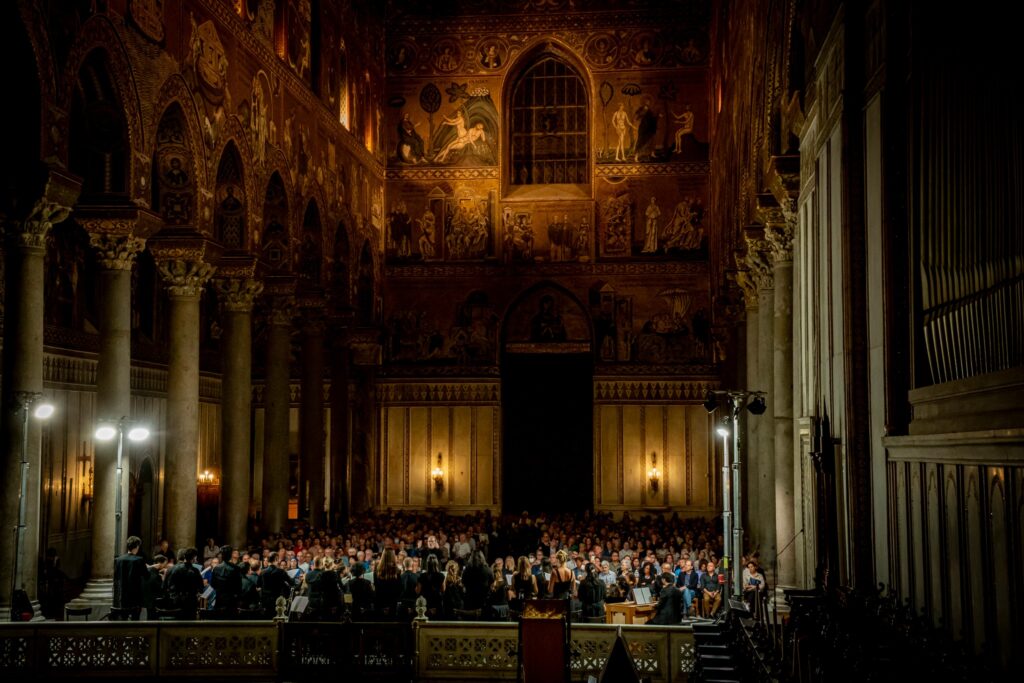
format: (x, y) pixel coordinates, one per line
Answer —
(607, 576)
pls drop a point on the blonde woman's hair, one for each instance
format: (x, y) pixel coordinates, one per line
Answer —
(452, 577)
(523, 567)
(328, 564)
(563, 557)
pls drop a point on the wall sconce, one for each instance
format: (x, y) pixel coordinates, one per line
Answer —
(653, 475)
(438, 475)
(207, 478)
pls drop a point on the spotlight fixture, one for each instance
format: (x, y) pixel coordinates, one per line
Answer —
(723, 427)
(758, 405)
(710, 402)
(106, 432)
(138, 434)
(43, 410)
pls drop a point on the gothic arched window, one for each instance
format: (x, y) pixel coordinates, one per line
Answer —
(549, 138)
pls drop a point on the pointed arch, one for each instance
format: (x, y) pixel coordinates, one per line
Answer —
(275, 241)
(175, 91)
(175, 170)
(99, 146)
(565, 156)
(99, 33)
(231, 201)
(546, 312)
(310, 259)
(341, 257)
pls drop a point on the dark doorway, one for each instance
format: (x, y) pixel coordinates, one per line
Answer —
(547, 403)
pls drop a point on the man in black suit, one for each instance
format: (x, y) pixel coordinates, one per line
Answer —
(670, 602)
(130, 574)
(226, 581)
(273, 583)
(184, 584)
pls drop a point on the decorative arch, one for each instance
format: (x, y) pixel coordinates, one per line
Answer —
(545, 317)
(99, 147)
(562, 154)
(365, 285)
(231, 201)
(341, 256)
(275, 244)
(175, 91)
(99, 33)
(175, 170)
(309, 266)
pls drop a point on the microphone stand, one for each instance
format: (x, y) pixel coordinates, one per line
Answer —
(775, 599)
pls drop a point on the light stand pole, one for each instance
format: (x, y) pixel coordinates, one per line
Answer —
(105, 432)
(24, 400)
(735, 400)
(728, 538)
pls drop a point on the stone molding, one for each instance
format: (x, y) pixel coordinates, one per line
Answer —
(460, 393)
(658, 391)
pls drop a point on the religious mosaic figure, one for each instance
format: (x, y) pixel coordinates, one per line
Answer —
(547, 325)
(621, 122)
(685, 121)
(653, 213)
(410, 142)
(645, 121)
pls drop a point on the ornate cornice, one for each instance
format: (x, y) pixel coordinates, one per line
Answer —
(116, 251)
(608, 268)
(443, 173)
(745, 280)
(237, 295)
(657, 391)
(778, 227)
(461, 393)
(671, 168)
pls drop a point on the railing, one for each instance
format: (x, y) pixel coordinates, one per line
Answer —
(232, 650)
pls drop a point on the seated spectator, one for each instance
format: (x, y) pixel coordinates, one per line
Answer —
(753, 584)
(607, 576)
(688, 582)
(712, 583)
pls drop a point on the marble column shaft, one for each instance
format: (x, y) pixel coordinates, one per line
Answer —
(782, 403)
(237, 296)
(277, 399)
(312, 489)
(116, 255)
(185, 282)
(23, 372)
(765, 432)
(340, 413)
(752, 483)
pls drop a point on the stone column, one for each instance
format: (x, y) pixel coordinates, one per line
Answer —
(311, 465)
(340, 413)
(276, 424)
(751, 423)
(23, 373)
(780, 239)
(115, 256)
(186, 278)
(763, 450)
(236, 297)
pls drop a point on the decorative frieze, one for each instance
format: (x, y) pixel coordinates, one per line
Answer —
(758, 258)
(672, 169)
(460, 393)
(549, 269)
(663, 391)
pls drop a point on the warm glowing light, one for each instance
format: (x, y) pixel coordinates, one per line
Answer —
(207, 478)
(653, 474)
(44, 410)
(438, 474)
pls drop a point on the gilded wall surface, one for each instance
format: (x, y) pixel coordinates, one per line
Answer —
(547, 185)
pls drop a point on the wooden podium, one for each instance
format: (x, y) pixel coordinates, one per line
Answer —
(628, 613)
(544, 642)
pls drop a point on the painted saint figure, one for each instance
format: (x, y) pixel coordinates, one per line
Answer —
(685, 121)
(410, 143)
(621, 122)
(653, 213)
(646, 124)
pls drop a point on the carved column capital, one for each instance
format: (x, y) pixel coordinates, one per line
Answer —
(185, 278)
(31, 233)
(281, 310)
(758, 261)
(745, 281)
(116, 252)
(780, 240)
(238, 294)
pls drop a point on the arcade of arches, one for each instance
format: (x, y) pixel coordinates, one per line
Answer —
(321, 248)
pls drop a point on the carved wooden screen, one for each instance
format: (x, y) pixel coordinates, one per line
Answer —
(549, 138)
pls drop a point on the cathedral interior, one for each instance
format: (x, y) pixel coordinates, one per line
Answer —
(344, 258)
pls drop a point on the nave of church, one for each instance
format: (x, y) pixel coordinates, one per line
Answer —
(647, 283)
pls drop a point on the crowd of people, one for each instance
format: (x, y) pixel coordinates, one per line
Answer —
(465, 567)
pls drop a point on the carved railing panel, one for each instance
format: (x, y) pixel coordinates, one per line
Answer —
(241, 648)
